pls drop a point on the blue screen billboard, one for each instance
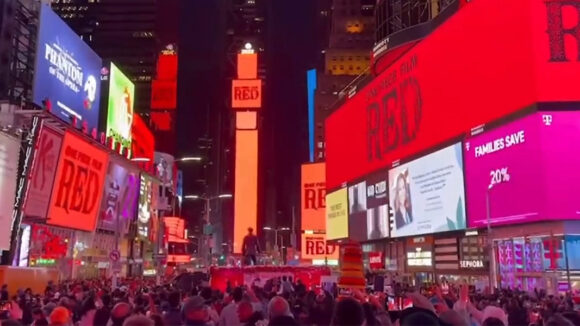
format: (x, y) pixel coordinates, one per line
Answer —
(67, 72)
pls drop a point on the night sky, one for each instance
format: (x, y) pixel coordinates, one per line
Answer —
(290, 52)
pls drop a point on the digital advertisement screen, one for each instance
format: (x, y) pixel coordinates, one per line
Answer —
(119, 203)
(313, 197)
(42, 173)
(78, 187)
(531, 168)
(143, 142)
(9, 154)
(427, 195)
(368, 208)
(146, 211)
(337, 214)
(420, 100)
(67, 72)
(120, 107)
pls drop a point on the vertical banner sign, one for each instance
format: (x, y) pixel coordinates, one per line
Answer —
(246, 185)
(78, 186)
(119, 203)
(313, 197)
(9, 154)
(337, 214)
(42, 173)
(145, 206)
(121, 101)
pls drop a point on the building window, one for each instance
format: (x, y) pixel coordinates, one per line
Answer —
(320, 144)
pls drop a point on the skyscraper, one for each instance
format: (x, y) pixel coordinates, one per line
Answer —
(347, 56)
(122, 31)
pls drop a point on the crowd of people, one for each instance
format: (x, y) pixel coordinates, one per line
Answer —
(138, 302)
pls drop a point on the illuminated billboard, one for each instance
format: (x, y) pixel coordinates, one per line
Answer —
(315, 247)
(145, 215)
(368, 208)
(78, 186)
(246, 93)
(163, 94)
(67, 72)
(9, 154)
(449, 83)
(143, 142)
(246, 185)
(42, 173)
(313, 199)
(531, 169)
(120, 108)
(120, 193)
(427, 195)
(337, 214)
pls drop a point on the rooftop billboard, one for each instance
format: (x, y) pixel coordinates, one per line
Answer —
(67, 72)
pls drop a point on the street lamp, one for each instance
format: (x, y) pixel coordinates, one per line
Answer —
(207, 200)
(489, 237)
(276, 230)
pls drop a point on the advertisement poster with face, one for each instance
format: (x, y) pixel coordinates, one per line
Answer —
(67, 72)
(427, 194)
(41, 178)
(78, 187)
(120, 107)
(119, 203)
(368, 208)
(9, 154)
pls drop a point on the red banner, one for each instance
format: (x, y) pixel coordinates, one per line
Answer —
(143, 143)
(163, 95)
(41, 177)
(376, 260)
(78, 186)
(454, 81)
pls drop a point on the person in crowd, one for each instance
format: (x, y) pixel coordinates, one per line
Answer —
(60, 316)
(121, 311)
(229, 315)
(251, 247)
(88, 312)
(4, 296)
(103, 312)
(195, 312)
(173, 314)
(138, 320)
(278, 306)
(348, 312)
(39, 318)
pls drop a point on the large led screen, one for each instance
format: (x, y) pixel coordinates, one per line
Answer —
(469, 71)
(120, 193)
(120, 108)
(427, 194)
(9, 154)
(146, 212)
(67, 72)
(368, 208)
(529, 169)
(78, 186)
(41, 176)
(337, 214)
(313, 197)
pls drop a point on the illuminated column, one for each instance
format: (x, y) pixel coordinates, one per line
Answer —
(246, 101)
